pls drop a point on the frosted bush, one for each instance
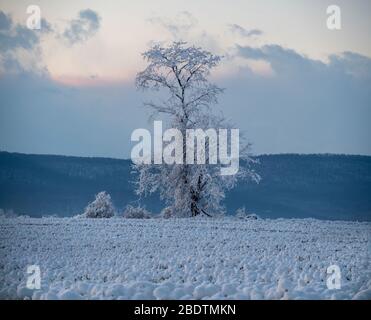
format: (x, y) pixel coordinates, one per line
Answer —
(242, 214)
(101, 207)
(166, 213)
(139, 212)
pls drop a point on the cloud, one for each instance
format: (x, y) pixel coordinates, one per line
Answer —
(235, 28)
(40, 115)
(288, 62)
(178, 27)
(46, 27)
(84, 27)
(5, 21)
(352, 63)
(15, 36)
(184, 27)
(306, 106)
(20, 46)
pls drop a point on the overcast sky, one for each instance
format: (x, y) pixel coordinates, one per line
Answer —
(291, 84)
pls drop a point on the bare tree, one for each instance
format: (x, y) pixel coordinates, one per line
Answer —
(181, 72)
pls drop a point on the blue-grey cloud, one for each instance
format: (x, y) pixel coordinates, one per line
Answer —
(241, 31)
(46, 27)
(15, 36)
(5, 21)
(281, 59)
(289, 63)
(39, 115)
(306, 105)
(352, 63)
(84, 27)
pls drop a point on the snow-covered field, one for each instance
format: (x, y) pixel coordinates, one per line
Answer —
(184, 258)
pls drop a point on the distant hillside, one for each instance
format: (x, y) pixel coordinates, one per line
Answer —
(319, 186)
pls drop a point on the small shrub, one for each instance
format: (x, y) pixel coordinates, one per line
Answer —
(166, 213)
(139, 212)
(101, 207)
(242, 214)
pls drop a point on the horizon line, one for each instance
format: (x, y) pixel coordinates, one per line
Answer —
(252, 155)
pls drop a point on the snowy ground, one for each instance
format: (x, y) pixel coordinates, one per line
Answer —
(190, 259)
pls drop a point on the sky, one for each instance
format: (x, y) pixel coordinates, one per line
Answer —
(291, 84)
